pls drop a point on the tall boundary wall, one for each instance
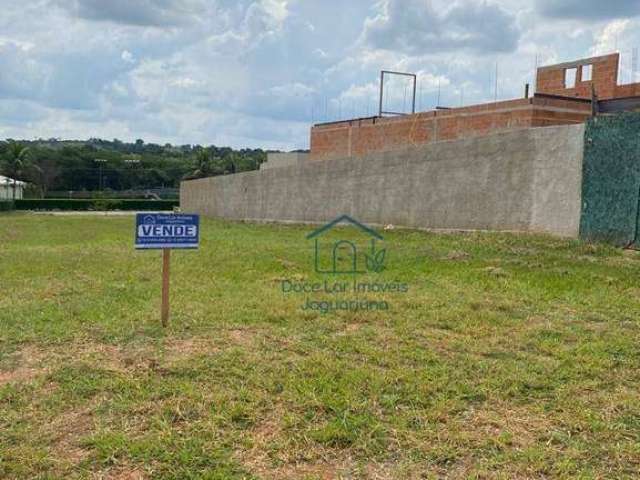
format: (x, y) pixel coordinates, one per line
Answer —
(525, 180)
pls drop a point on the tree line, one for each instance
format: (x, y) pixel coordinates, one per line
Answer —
(99, 165)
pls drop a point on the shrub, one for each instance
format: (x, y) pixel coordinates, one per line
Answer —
(6, 205)
(95, 204)
(105, 204)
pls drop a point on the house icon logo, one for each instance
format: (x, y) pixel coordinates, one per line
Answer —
(342, 252)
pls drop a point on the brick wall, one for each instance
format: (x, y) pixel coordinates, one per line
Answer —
(630, 90)
(361, 137)
(604, 77)
(365, 136)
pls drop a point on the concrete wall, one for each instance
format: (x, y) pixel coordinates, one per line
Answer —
(526, 180)
(279, 160)
(557, 180)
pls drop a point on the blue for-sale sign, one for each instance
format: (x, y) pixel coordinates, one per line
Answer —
(167, 231)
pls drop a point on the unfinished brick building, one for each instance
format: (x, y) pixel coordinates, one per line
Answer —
(566, 93)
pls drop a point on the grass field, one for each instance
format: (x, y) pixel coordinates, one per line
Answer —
(510, 356)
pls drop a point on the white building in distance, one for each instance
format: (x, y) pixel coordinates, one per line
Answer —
(6, 188)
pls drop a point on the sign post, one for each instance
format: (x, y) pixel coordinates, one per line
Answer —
(166, 232)
(166, 265)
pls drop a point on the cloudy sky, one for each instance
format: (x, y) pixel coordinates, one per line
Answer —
(250, 73)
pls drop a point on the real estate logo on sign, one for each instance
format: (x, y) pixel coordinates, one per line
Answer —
(167, 231)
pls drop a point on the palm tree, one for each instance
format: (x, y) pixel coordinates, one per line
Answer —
(204, 165)
(15, 159)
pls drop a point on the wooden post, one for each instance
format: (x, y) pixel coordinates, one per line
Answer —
(166, 262)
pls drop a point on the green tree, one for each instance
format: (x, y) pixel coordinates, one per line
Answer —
(203, 165)
(43, 169)
(14, 162)
(58, 167)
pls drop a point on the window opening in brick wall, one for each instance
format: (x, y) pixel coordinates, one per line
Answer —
(570, 75)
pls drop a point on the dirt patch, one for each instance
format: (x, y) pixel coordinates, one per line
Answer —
(189, 347)
(324, 471)
(509, 426)
(109, 357)
(268, 431)
(19, 375)
(242, 336)
(290, 462)
(457, 255)
(67, 432)
(147, 357)
(28, 364)
(121, 473)
(32, 362)
(496, 272)
(331, 467)
(353, 327)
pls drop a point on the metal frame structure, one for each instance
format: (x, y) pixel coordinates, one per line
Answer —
(383, 73)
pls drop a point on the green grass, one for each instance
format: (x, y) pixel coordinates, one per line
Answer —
(511, 356)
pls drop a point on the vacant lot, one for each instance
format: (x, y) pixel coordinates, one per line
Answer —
(509, 357)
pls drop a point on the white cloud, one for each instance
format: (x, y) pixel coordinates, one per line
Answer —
(416, 27)
(258, 72)
(127, 56)
(157, 13)
(185, 82)
(592, 10)
(607, 41)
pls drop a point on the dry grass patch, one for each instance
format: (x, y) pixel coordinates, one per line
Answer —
(27, 364)
(66, 433)
(243, 337)
(507, 425)
(121, 472)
